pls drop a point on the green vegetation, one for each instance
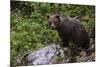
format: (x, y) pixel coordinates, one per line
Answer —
(29, 27)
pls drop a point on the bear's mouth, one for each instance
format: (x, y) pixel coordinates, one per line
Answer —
(53, 28)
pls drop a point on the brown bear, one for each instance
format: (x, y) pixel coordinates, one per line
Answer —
(69, 29)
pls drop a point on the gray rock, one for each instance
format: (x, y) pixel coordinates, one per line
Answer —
(55, 54)
(49, 55)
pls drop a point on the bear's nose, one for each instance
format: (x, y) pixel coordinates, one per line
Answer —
(53, 26)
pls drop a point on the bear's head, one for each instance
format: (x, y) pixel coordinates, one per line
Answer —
(54, 21)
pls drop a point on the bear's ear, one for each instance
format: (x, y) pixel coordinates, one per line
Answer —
(48, 17)
(57, 16)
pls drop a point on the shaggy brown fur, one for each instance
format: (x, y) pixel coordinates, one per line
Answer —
(69, 29)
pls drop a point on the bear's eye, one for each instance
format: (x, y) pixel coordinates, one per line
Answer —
(55, 22)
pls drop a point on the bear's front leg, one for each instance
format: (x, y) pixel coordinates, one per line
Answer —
(64, 44)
